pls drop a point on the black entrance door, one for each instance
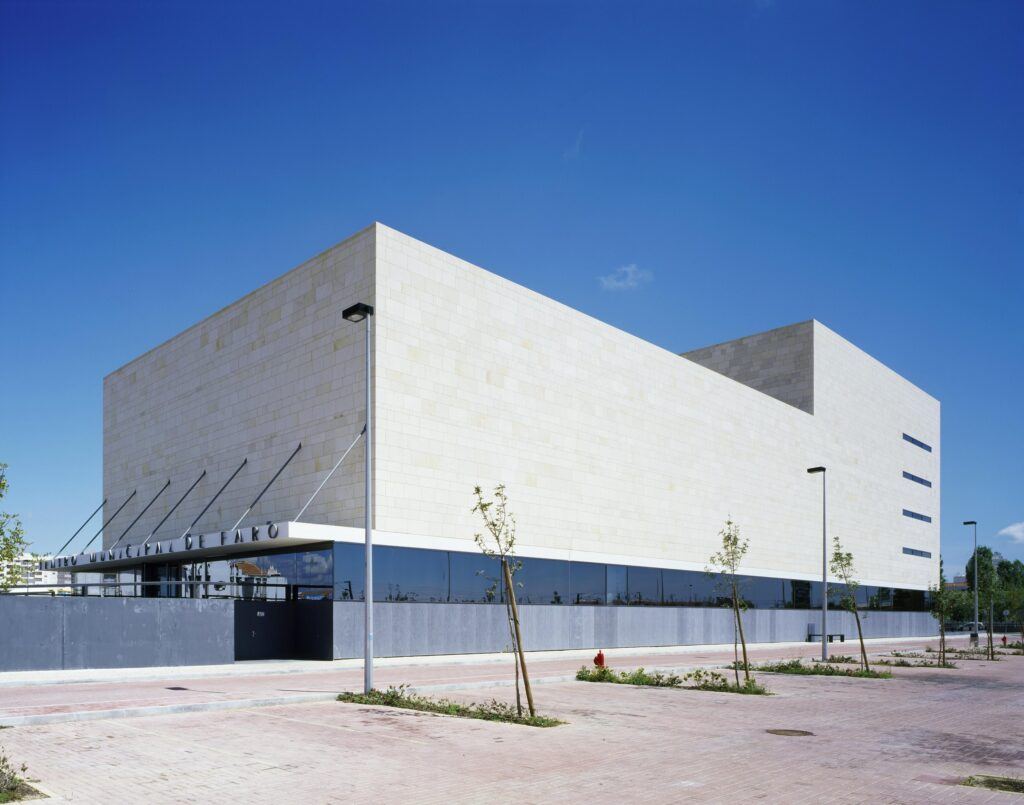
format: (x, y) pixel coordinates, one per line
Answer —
(283, 630)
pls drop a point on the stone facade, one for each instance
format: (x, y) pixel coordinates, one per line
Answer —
(779, 362)
(277, 368)
(612, 449)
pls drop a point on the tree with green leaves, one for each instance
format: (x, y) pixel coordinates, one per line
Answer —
(1011, 586)
(841, 566)
(988, 586)
(499, 542)
(726, 562)
(12, 541)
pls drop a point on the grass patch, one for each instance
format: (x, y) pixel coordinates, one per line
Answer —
(901, 662)
(1014, 785)
(842, 659)
(698, 679)
(819, 669)
(489, 711)
(962, 655)
(20, 792)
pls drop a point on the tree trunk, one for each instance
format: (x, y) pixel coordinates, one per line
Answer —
(942, 641)
(991, 625)
(860, 637)
(739, 624)
(515, 655)
(735, 648)
(519, 638)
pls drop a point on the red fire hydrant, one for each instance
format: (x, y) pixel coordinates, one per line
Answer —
(599, 659)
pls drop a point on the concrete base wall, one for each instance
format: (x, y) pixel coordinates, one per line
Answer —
(38, 633)
(402, 630)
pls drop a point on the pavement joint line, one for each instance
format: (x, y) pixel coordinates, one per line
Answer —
(162, 709)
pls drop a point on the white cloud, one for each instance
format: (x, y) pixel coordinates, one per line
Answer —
(625, 278)
(573, 151)
(1015, 531)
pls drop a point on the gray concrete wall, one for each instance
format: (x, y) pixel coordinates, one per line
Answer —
(402, 629)
(42, 633)
(778, 362)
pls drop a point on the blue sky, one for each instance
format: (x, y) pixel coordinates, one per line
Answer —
(736, 165)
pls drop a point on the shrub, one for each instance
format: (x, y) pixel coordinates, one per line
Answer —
(10, 779)
(399, 696)
(637, 677)
(901, 662)
(820, 669)
(698, 679)
(840, 658)
(701, 679)
(1014, 785)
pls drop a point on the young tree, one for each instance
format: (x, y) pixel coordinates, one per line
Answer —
(942, 606)
(12, 541)
(841, 565)
(500, 542)
(726, 562)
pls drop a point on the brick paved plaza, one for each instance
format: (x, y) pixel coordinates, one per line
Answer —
(907, 739)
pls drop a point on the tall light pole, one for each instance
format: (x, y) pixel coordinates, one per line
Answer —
(974, 626)
(824, 567)
(363, 312)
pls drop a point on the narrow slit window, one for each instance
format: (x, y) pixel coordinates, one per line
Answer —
(917, 479)
(917, 442)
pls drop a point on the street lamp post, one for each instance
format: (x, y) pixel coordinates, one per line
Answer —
(824, 567)
(974, 625)
(356, 313)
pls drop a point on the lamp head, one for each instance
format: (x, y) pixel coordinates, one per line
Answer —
(357, 312)
(970, 522)
(813, 470)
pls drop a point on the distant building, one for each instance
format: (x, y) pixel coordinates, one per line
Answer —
(958, 583)
(33, 579)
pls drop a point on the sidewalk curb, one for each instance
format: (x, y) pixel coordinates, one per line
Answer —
(282, 667)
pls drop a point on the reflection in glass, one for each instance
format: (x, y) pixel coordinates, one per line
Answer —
(644, 585)
(314, 575)
(421, 575)
(410, 574)
(617, 590)
(587, 582)
(689, 588)
(349, 572)
(475, 578)
(542, 581)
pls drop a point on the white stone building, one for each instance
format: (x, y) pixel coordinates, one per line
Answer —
(612, 449)
(623, 460)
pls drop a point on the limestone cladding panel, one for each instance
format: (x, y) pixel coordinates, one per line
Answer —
(611, 445)
(278, 367)
(864, 409)
(778, 362)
